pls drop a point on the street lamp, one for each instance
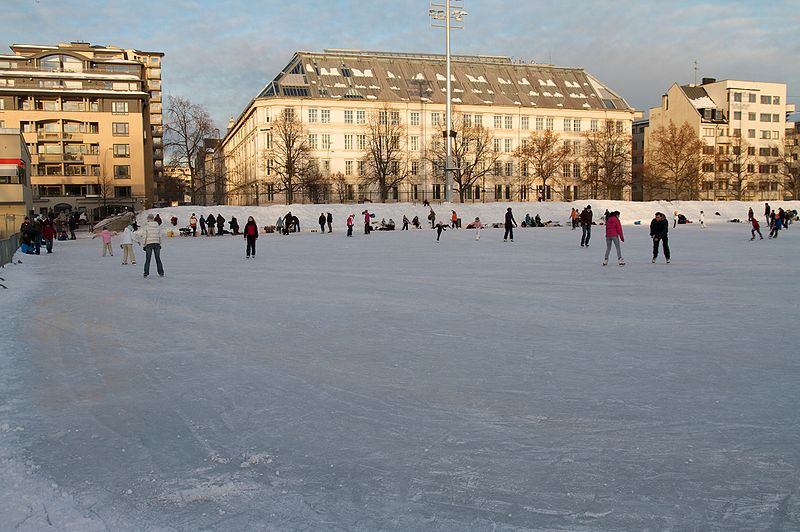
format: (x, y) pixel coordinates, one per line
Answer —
(255, 185)
(450, 9)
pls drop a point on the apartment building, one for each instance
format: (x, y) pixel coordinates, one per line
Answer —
(15, 181)
(92, 119)
(742, 125)
(334, 92)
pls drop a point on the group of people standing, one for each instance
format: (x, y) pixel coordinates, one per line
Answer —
(207, 224)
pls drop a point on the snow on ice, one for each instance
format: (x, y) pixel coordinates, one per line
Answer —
(387, 382)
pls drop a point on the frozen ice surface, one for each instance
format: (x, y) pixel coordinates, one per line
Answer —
(392, 383)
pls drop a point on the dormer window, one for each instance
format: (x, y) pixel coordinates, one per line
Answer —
(60, 63)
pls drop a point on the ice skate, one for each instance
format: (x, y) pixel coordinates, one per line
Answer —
(622, 262)
(654, 260)
(667, 261)
(605, 262)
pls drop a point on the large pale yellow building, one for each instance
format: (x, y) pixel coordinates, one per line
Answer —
(334, 92)
(742, 125)
(92, 119)
(15, 184)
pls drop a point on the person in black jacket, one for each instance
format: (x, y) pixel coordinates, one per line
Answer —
(220, 225)
(234, 225)
(329, 219)
(586, 225)
(510, 225)
(250, 235)
(322, 222)
(210, 223)
(658, 232)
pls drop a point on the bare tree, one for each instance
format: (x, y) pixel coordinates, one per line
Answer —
(789, 167)
(288, 157)
(545, 154)
(607, 158)
(386, 160)
(339, 182)
(473, 155)
(674, 162)
(186, 125)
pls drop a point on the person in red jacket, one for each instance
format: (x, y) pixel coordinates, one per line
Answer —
(250, 235)
(49, 233)
(614, 236)
(756, 229)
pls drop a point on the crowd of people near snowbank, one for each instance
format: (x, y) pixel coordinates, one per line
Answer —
(41, 230)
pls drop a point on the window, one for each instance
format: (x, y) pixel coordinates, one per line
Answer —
(708, 131)
(508, 145)
(549, 124)
(478, 120)
(122, 171)
(437, 191)
(751, 133)
(414, 118)
(313, 141)
(524, 169)
(498, 169)
(312, 115)
(468, 120)
(122, 192)
(737, 96)
(765, 135)
(576, 146)
(620, 126)
(414, 142)
(766, 99)
(594, 125)
(348, 168)
(737, 115)
(326, 141)
(326, 166)
(496, 144)
(776, 100)
(539, 123)
(509, 122)
(576, 125)
(414, 167)
(361, 117)
(567, 124)
(524, 122)
(751, 98)
(498, 121)
(348, 116)
(708, 167)
(348, 142)
(119, 108)
(435, 119)
(361, 142)
(288, 114)
(765, 117)
(120, 129)
(775, 152)
(395, 118)
(576, 171)
(737, 132)
(566, 170)
(509, 169)
(763, 152)
(122, 150)
(751, 116)
(751, 150)
(325, 116)
(776, 118)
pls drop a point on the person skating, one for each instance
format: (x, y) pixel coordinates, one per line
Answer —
(234, 225)
(453, 220)
(756, 229)
(614, 236)
(210, 223)
(36, 234)
(439, 228)
(749, 214)
(279, 225)
(202, 221)
(432, 217)
(193, 224)
(367, 221)
(767, 212)
(405, 223)
(48, 233)
(586, 226)
(776, 226)
(702, 220)
(351, 220)
(659, 228)
(329, 219)
(573, 218)
(322, 221)
(478, 226)
(415, 222)
(251, 235)
(126, 244)
(287, 222)
(675, 219)
(510, 225)
(106, 235)
(220, 225)
(72, 222)
(151, 240)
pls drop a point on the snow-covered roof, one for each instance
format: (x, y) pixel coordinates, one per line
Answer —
(406, 77)
(71, 75)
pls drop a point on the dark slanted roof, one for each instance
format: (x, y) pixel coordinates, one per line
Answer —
(476, 80)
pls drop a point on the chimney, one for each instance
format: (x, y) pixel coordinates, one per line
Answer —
(706, 81)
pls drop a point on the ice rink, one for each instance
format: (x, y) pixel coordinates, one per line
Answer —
(387, 382)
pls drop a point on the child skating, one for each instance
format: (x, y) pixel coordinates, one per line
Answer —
(478, 226)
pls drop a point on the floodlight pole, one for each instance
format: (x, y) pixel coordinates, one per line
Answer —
(448, 175)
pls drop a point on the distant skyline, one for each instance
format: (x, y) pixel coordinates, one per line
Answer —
(221, 54)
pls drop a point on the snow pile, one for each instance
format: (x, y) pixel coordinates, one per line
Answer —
(630, 211)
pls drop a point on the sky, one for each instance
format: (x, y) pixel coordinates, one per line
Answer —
(221, 53)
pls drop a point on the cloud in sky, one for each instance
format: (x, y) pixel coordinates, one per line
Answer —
(221, 53)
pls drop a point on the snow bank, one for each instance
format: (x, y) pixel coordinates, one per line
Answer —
(630, 211)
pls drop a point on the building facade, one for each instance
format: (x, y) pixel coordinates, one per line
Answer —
(16, 199)
(92, 119)
(334, 93)
(742, 127)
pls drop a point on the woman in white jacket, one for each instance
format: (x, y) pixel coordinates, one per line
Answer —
(151, 240)
(127, 245)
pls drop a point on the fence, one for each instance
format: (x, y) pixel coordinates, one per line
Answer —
(8, 247)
